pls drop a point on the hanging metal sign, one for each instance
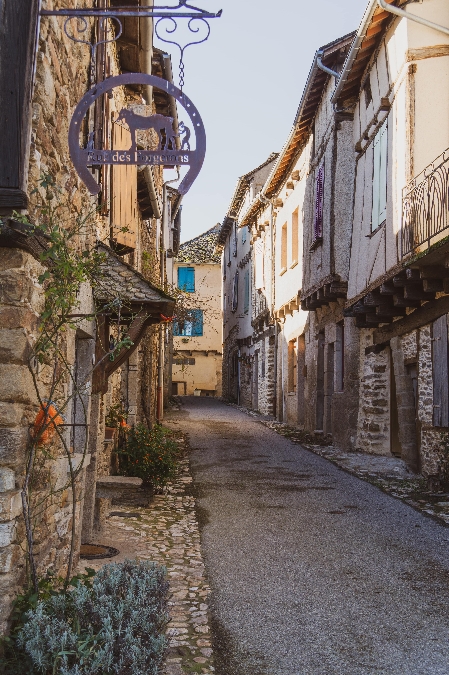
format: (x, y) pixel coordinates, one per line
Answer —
(174, 146)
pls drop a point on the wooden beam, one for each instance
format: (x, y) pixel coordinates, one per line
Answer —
(420, 317)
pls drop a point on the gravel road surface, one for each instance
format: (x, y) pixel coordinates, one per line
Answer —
(313, 571)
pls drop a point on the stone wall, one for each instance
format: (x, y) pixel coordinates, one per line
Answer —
(373, 428)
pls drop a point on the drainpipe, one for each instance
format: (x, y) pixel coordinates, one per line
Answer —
(327, 70)
(413, 17)
(160, 359)
(267, 201)
(238, 376)
(145, 61)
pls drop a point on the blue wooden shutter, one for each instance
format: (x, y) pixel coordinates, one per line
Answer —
(319, 198)
(246, 297)
(186, 279)
(197, 322)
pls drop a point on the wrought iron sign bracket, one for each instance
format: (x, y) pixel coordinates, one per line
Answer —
(162, 13)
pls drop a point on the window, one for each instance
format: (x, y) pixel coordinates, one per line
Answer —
(284, 248)
(319, 198)
(292, 366)
(234, 241)
(191, 326)
(181, 361)
(246, 293)
(244, 234)
(295, 241)
(368, 92)
(440, 372)
(186, 279)
(380, 149)
(235, 293)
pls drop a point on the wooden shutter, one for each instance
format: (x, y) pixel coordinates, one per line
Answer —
(440, 372)
(17, 53)
(246, 293)
(380, 151)
(186, 279)
(259, 272)
(124, 194)
(197, 322)
(319, 199)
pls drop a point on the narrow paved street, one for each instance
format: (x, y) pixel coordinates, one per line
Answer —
(313, 571)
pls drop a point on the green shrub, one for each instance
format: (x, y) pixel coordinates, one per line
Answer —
(114, 627)
(148, 454)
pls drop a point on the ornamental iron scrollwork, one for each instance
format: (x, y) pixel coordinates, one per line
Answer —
(173, 148)
(425, 206)
(162, 13)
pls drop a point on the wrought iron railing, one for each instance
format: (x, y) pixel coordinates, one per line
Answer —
(425, 206)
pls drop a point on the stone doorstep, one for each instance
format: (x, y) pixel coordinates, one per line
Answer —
(113, 487)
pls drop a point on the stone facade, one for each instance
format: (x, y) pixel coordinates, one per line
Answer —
(197, 358)
(62, 77)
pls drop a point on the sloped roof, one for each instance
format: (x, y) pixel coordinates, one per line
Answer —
(372, 27)
(307, 109)
(243, 183)
(121, 281)
(201, 249)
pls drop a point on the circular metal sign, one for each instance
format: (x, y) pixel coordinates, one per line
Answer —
(174, 146)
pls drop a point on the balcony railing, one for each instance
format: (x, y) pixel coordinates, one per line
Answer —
(425, 207)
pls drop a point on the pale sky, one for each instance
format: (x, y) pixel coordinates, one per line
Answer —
(247, 81)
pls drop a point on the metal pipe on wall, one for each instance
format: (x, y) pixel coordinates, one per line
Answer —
(413, 17)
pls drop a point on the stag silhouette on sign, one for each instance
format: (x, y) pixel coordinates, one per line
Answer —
(156, 122)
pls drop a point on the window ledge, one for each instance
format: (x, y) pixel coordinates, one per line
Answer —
(283, 271)
(380, 227)
(318, 242)
(294, 263)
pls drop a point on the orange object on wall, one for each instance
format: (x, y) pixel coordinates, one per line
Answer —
(47, 419)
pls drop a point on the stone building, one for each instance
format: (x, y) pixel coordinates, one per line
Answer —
(241, 369)
(197, 332)
(395, 81)
(362, 183)
(130, 225)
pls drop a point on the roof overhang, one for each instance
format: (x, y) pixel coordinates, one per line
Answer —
(374, 23)
(332, 55)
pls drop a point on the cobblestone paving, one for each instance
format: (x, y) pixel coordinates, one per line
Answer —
(167, 532)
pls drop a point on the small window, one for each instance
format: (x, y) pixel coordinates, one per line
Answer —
(319, 199)
(284, 247)
(380, 149)
(186, 279)
(295, 241)
(244, 234)
(292, 366)
(367, 91)
(259, 264)
(234, 241)
(246, 293)
(191, 326)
